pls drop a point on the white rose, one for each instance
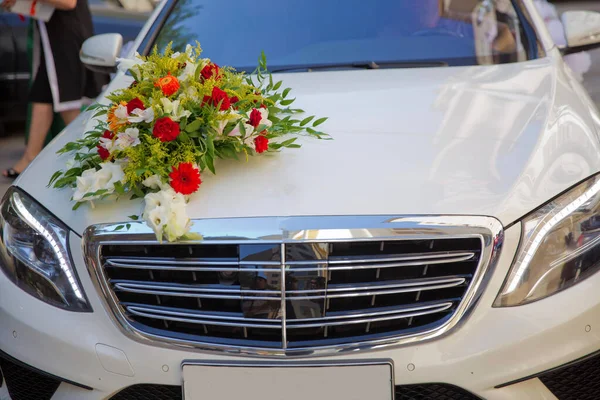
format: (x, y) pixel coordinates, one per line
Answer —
(129, 138)
(139, 115)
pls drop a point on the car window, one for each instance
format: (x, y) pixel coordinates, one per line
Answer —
(320, 32)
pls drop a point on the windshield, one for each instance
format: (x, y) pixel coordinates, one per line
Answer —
(296, 34)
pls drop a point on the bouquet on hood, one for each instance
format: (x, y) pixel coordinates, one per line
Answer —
(156, 137)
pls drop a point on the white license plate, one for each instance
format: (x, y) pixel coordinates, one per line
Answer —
(372, 380)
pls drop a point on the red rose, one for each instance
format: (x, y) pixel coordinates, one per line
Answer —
(234, 99)
(255, 118)
(185, 179)
(261, 143)
(165, 129)
(102, 152)
(210, 71)
(263, 106)
(168, 84)
(219, 96)
(133, 104)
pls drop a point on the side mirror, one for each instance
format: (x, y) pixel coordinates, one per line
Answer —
(582, 30)
(99, 53)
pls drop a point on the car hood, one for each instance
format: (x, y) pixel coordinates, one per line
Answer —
(482, 140)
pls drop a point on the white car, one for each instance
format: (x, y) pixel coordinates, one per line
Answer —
(444, 244)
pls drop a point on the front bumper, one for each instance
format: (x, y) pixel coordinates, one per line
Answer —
(491, 347)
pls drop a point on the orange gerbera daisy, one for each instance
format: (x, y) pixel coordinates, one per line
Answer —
(168, 84)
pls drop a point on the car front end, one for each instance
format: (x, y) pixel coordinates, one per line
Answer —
(443, 246)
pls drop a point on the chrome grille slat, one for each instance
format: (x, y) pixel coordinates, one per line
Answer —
(458, 280)
(190, 320)
(190, 291)
(125, 285)
(301, 325)
(383, 311)
(296, 324)
(445, 257)
(206, 315)
(405, 278)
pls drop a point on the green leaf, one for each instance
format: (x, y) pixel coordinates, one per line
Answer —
(277, 85)
(286, 92)
(287, 102)
(183, 136)
(119, 187)
(77, 205)
(210, 146)
(134, 217)
(193, 126)
(294, 146)
(133, 74)
(307, 120)
(54, 177)
(138, 192)
(320, 121)
(210, 154)
(140, 171)
(118, 228)
(128, 226)
(183, 123)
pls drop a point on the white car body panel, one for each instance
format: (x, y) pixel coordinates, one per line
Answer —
(495, 140)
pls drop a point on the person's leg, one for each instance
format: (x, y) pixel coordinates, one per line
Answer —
(41, 119)
(69, 115)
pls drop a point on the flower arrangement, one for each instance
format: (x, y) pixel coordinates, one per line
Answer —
(158, 136)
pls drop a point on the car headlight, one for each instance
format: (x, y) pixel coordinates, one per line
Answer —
(34, 253)
(560, 247)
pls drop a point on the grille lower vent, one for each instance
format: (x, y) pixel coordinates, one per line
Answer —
(293, 295)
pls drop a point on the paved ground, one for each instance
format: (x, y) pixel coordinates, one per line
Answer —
(12, 147)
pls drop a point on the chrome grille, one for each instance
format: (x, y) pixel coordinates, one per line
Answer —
(290, 295)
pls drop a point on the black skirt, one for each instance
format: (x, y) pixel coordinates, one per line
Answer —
(61, 79)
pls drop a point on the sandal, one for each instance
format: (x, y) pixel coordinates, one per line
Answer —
(10, 173)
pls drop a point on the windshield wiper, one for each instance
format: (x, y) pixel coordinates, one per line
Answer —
(362, 65)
